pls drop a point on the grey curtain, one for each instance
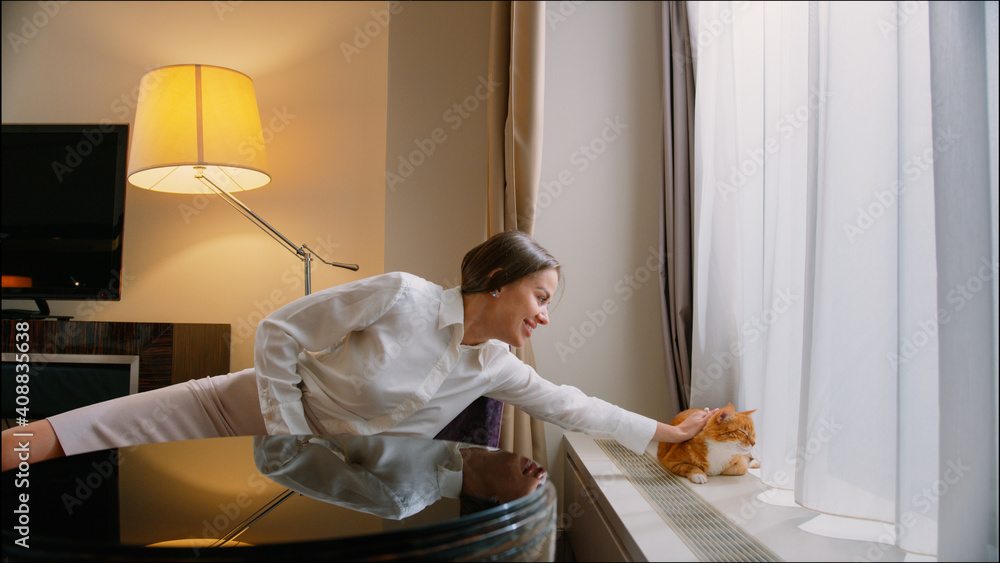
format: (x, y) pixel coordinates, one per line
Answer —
(965, 203)
(678, 165)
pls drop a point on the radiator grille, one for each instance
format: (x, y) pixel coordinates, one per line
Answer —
(706, 531)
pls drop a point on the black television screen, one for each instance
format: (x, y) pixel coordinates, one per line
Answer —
(63, 211)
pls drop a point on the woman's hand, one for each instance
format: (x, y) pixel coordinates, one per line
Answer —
(693, 424)
(686, 430)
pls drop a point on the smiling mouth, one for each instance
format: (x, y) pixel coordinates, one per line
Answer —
(528, 328)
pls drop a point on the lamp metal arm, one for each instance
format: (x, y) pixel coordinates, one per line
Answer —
(303, 252)
(248, 213)
(253, 518)
(338, 264)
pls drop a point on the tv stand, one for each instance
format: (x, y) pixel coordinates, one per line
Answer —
(42, 314)
(168, 352)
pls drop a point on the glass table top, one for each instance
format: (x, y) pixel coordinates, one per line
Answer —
(271, 498)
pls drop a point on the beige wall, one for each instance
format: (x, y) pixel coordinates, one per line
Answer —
(321, 89)
(435, 196)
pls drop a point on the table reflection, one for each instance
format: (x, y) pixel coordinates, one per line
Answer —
(282, 497)
(387, 476)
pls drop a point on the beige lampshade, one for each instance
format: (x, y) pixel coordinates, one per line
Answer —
(197, 115)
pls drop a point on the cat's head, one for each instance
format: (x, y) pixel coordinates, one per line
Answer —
(727, 425)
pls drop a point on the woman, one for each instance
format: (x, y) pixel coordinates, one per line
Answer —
(392, 354)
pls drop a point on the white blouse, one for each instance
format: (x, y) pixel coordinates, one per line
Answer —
(383, 355)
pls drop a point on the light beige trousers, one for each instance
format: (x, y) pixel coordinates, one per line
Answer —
(210, 407)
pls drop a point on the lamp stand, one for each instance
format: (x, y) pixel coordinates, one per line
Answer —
(303, 252)
(252, 519)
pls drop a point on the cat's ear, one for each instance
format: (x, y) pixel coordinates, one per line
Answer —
(725, 412)
(748, 413)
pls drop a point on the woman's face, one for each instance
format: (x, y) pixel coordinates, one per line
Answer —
(522, 305)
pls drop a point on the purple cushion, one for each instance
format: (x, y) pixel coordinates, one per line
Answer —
(478, 424)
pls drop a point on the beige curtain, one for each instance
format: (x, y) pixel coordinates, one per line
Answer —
(517, 64)
(678, 165)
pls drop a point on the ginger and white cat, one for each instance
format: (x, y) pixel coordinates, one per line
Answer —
(721, 448)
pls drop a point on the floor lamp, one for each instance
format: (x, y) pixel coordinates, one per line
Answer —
(197, 130)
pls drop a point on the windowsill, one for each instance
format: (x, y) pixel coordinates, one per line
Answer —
(644, 534)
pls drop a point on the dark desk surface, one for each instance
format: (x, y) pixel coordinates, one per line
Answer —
(114, 504)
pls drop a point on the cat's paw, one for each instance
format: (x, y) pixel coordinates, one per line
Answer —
(698, 478)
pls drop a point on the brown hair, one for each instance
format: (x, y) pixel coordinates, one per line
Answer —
(504, 258)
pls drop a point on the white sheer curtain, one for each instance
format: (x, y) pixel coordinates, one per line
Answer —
(845, 255)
